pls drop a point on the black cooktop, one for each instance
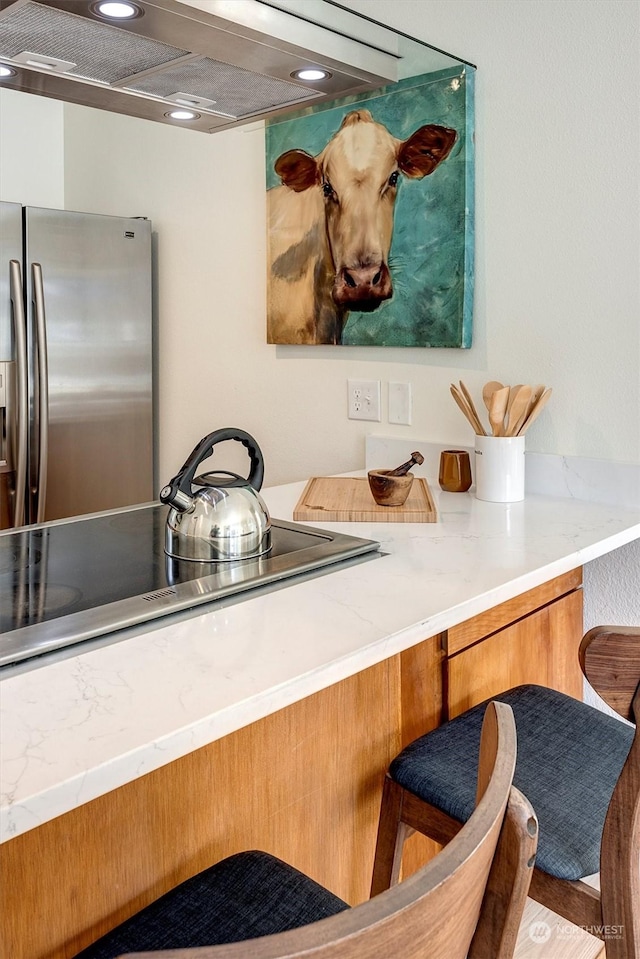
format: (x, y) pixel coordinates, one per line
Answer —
(67, 581)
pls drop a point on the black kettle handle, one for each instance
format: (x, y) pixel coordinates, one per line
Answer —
(182, 481)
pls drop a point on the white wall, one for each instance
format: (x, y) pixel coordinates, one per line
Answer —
(558, 244)
(31, 150)
(558, 248)
(558, 224)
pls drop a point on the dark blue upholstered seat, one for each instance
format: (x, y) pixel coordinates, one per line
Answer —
(569, 758)
(246, 896)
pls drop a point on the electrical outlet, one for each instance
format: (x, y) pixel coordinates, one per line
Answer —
(400, 403)
(364, 400)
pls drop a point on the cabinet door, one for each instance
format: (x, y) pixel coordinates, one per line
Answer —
(303, 783)
(539, 648)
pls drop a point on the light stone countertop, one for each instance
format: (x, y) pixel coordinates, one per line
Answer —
(77, 727)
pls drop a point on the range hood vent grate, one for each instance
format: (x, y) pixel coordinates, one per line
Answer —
(215, 52)
(233, 89)
(100, 52)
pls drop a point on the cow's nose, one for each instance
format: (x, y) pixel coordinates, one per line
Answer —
(363, 276)
(363, 287)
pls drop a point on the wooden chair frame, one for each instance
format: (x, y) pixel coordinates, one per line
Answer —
(610, 659)
(473, 892)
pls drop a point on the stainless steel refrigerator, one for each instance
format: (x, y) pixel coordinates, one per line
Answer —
(76, 364)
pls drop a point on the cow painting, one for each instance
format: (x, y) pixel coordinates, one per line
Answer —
(331, 223)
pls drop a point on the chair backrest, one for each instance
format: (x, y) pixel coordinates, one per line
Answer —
(610, 659)
(435, 912)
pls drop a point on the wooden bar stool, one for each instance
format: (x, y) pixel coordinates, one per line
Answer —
(467, 901)
(580, 769)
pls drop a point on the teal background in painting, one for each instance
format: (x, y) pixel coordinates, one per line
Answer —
(431, 258)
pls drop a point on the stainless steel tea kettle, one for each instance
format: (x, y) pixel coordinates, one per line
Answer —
(226, 519)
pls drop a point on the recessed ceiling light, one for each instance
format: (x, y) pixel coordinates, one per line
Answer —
(6, 71)
(183, 115)
(311, 73)
(117, 9)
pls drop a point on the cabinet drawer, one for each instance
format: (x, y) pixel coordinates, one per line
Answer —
(473, 630)
(540, 648)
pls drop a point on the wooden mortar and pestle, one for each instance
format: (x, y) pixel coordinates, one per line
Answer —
(391, 487)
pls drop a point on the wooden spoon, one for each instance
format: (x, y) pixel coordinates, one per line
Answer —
(517, 409)
(464, 406)
(535, 412)
(497, 410)
(480, 430)
(488, 390)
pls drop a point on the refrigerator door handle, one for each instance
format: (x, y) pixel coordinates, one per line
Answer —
(39, 492)
(19, 419)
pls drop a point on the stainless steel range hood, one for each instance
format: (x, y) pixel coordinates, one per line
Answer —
(229, 62)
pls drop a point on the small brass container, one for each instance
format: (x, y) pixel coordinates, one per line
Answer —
(455, 471)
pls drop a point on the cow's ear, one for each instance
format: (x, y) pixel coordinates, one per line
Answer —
(425, 149)
(297, 170)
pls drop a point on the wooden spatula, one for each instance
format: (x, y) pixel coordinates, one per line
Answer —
(467, 395)
(535, 412)
(497, 410)
(466, 409)
(488, 390)
(513, 392)
(517, 409)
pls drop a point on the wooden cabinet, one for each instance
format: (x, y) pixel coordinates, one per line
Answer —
(533, 639)
(303, 783)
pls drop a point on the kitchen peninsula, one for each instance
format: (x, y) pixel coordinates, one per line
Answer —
(127, 767)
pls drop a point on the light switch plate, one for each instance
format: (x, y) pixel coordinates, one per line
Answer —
(400, 403)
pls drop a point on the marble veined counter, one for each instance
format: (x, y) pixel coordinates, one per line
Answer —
(84, 724)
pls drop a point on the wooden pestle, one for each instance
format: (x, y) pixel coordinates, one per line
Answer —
(416, 459)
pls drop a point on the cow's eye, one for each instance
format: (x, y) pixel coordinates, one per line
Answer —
(393, 179)
(327, 189)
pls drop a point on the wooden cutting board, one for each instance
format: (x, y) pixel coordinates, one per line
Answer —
(348, 499)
